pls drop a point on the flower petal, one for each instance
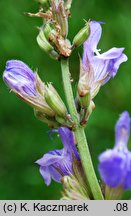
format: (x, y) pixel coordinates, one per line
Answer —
(93, 40)
(107, 64)
(100, 69)
(55, 175)
(48, 173)
(111, 62)
(17, 66)
(111, 54)
(112, 167)
(50, 158)
(122, 130)
(58, 163)
(127, 183)
(44, 171)
(67, 139)
(103, 66)
(19, 77)
(121, 59)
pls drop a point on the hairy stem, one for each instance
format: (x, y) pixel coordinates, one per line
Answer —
(80, 135)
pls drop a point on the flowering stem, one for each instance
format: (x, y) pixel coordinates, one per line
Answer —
(80, 134)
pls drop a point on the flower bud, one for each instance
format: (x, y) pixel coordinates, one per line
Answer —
(51, 87)
(82, 35)
(46, 46)
(47, 31)
(27, 85)
(55, 102)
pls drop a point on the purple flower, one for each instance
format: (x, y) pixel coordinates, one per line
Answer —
(96, 68)
(58, 163)
(115, 164)
(19, 77)
(27, 85)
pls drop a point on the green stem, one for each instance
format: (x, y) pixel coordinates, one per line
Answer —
(80, 134)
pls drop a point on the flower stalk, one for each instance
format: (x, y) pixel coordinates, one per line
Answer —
(80, 134)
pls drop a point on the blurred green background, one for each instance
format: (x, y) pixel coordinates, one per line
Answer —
(23, 139)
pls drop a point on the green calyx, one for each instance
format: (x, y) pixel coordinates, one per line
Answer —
(46, 46)
(82, 35)
(55, 102)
